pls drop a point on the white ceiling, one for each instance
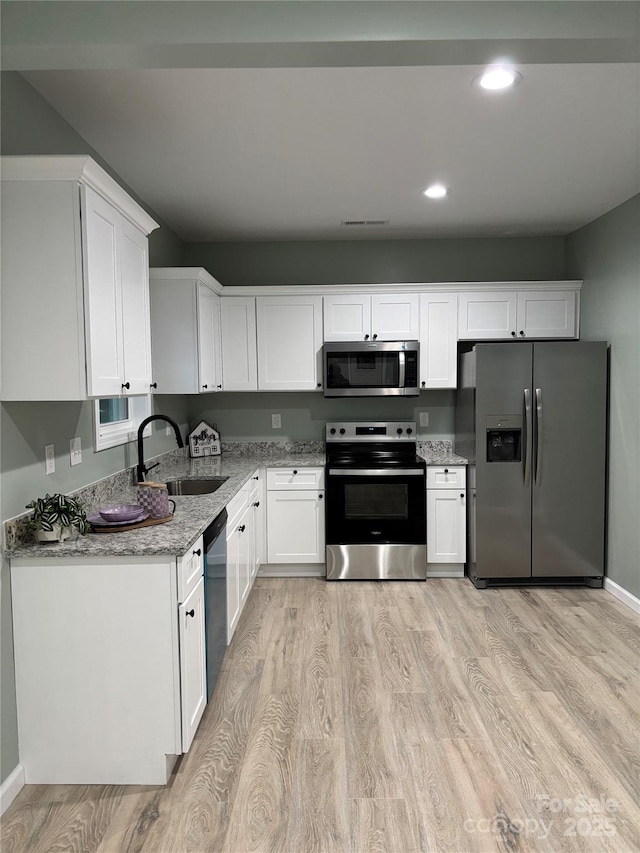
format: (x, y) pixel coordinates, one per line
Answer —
(279, 153)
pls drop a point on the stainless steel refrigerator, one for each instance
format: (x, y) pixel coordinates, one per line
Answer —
(532, 420)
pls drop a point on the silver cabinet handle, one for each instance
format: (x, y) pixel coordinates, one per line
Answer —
(538, 436)
(529, 428)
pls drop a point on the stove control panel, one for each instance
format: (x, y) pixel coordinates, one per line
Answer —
(395, 431)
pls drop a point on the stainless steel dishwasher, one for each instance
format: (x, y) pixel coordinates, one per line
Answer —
(215, 591)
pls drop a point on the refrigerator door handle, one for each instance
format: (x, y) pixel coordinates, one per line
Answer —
(529, 428)
(538, 436)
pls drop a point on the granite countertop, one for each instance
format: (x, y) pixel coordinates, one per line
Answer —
(192, 515)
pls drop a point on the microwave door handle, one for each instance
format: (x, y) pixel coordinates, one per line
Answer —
(401, 366)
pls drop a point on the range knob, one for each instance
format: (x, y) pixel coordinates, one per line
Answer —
(332, 430)
(399, 430)
(342, 431)
(409, 430)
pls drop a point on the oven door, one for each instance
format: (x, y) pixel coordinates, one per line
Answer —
(375, 506)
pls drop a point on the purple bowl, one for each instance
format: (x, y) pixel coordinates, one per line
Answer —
(122, 512)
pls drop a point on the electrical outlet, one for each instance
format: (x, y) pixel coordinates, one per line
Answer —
(424, 419)
(168, 430)
(49, 459)
(75, 451)
(276, 422)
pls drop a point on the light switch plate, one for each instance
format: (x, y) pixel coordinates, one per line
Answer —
(276, 422)
(49, 459)
(75, 451)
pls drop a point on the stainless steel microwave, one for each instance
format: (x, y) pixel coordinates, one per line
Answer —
(371, 369)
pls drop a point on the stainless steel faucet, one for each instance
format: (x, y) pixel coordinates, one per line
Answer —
(141, 468)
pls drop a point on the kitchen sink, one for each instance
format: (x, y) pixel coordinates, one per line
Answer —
(195, 487)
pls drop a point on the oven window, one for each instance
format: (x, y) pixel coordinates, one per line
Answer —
(376, 501)
(363, 370)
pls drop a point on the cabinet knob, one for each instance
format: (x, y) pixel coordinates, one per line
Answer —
(242, 527)
(257, 503)
(198, 552)
(461, 494)
(424, 384)
(446, 470)
(153, 385)
(513, 334)
(218, 386)
(191, 612)
(319, 385)
(205, 386)
(126, 385)
(375, 337)
(256, 478)
(320, 497)
(366, 337)
(294, 471)
(522, 333)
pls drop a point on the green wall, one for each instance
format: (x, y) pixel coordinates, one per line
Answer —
(31, 126)
(381, 261)
(246, 416)
(606, 254)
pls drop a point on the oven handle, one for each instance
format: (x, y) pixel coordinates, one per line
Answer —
(376, 472)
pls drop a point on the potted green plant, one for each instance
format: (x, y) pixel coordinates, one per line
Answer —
(55, 517)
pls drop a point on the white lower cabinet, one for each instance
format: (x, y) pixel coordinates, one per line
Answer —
(245, 531)
(295, 516)
(446, 521)
(110, 666)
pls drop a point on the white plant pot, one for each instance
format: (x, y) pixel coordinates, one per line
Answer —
(58, 534)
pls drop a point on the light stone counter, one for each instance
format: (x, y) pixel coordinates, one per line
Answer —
(192, 516)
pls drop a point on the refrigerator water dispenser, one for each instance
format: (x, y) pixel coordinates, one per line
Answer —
(504, 438)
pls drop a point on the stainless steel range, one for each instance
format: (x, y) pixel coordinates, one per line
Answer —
(375, 502)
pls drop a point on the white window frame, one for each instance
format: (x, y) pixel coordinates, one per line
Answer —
(122, 432)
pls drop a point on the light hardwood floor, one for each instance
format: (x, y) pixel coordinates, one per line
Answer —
(390, 717)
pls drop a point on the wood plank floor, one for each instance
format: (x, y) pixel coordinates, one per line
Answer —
(392, 717)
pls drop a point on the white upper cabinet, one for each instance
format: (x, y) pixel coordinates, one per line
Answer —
(504, 314)
(547, 314)
(239, 365)
(347, 317)
(378, 316)
(395, 316)
(438, 340)
(185, 331)
(289, 343)
(83, 296)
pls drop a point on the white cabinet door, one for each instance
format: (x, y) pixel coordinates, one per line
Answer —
(233, 581)
(487, 315)
(239, 365)
(446, 528)
(289, 342)
(395, 316)
(347, 317)
(246, 550)
(136, 325)
(206, 335)
(193, 670)
(103, 303)
(438, 340)
(295, 527)
(547, 314)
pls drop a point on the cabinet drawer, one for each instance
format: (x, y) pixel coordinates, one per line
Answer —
(446, 477)
(295, 478)
(190, 569)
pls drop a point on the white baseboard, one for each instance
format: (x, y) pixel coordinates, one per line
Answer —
(276, 570)
(445, 570)
(11, 787)
(622, 594)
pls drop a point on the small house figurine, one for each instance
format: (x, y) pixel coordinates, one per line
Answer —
(204, 441)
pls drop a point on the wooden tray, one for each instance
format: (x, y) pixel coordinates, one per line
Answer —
(148, 522)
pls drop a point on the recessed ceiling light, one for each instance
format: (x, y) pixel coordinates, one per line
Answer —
(436, 191)
(497, 77)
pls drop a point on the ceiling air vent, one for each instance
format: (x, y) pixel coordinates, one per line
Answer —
(365, 222)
